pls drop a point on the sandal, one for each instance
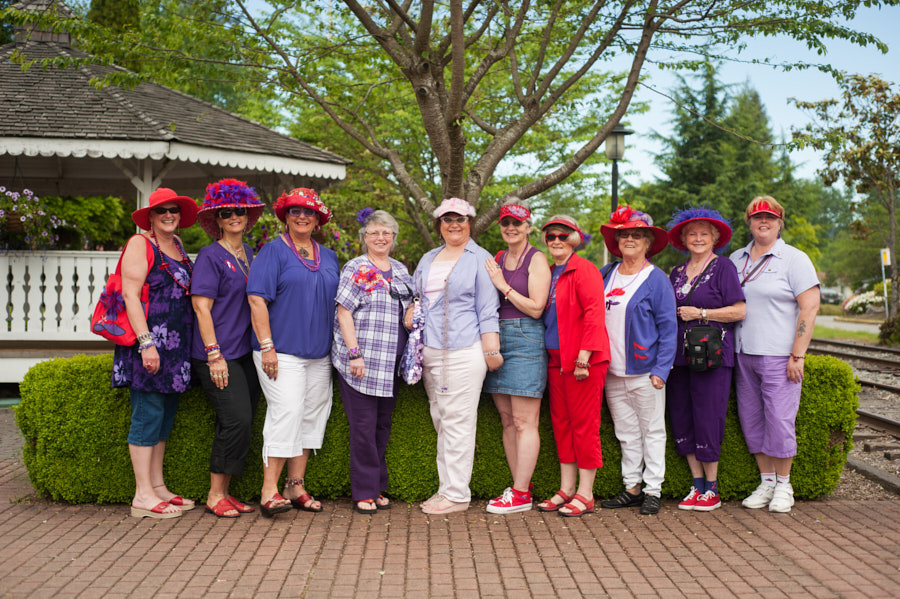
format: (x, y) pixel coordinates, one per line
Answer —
(363, 510)
(575, 511)
(240, 506)
(548, 506)
(383, 506)
(154, 512)
(306, 498)
(221, 509)
(268, 510)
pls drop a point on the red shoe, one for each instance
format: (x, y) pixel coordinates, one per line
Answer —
(575, 511)
(708, 502)
(690, 502)
(221, 509)
(510, 502)
(548, 506)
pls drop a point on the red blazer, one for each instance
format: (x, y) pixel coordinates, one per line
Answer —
(581, 313)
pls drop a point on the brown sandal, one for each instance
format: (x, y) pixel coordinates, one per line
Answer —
(548, 506)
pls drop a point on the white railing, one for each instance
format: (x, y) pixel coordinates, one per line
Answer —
(50, 296)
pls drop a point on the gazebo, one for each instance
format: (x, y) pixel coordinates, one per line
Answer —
(60, 135)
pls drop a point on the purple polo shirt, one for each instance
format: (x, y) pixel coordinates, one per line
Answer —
(218, 276)
(772, 309)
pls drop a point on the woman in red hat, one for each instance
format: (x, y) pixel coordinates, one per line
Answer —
(291, 289)
(221, 354)
(157, 368)
(578, 351)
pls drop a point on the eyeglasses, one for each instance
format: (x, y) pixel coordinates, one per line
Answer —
(398, 294)
(631, 234)
(510, 222)
(227, 212)
(554, 236)
(301, 211)
(387, 234)
(170, 209)
(449, 220)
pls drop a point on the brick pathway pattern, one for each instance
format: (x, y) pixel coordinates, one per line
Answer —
(822, 549)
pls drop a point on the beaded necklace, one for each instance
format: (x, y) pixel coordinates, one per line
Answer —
(617, 291)
(317, 258)
(683, 286)
(185, 261)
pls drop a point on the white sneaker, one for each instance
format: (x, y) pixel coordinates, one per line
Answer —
(760, 497)
(783, 498)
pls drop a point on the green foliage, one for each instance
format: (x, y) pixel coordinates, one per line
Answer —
(116, 15)
(6, 29)
(92, 222)
(75, 430)
(889, 332)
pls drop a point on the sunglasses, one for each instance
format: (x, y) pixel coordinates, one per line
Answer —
(510, 222)
(555, 236)
(170, 209)
(398, 294)
(301, 211)
(227, 212)
(631, 235)
(449, 220)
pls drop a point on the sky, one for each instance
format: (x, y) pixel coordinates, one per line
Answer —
(774, 87)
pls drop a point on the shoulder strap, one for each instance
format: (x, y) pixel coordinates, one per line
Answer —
(499, 256)
(608, 268)
(687, 300)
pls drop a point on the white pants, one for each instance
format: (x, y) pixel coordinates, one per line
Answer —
(298, 405)
(454, 412)
(638, 412)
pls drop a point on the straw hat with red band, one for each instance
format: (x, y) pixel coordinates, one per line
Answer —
(516, 211)
(683, 218)
(301, 196)
(164, 195)
(626, 217)
(228, 193)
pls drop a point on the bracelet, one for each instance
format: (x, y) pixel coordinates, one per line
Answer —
(703, 315)
(213, 355)
(797, 358)
(508, 291)
(145, 337)
(354, 353)
(209, 349)
(265, 349)
(147, 345)
(266, 341)
(210, 361)
(495, 352)
(584, 365)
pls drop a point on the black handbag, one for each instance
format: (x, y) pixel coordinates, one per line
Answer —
(703, 342)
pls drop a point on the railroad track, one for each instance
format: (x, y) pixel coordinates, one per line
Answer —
(872, 355)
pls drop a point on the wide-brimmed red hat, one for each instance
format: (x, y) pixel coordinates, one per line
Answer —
(683, 218)
(228, 193)
(164, 195)
(301, 196)
(626, 217)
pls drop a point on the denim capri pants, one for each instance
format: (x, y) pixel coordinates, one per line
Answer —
(152, 417)
(524, 370)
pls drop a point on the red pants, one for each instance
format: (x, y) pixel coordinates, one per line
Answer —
(575, 413)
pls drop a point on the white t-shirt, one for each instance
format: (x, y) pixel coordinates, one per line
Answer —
(615, 313)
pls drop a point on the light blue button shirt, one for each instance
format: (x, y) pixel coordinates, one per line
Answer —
(772, 308)
(473, 300)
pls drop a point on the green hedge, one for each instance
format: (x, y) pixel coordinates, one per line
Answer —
(75, 450)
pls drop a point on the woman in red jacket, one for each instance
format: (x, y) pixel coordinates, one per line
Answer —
(578, 351)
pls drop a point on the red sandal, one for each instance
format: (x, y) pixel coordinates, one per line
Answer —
(576, 512)
(240, 506)
(548, 506)
(300, 503)
(268, 510)
(220, 509)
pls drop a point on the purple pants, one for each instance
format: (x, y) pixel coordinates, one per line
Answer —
(697, 403)
(370, 427)
(767, 405)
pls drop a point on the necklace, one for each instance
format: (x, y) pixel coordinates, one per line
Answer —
(617, 291)
(239, 256)
(519, 262)
(185, 261)
(756, 272)
(684, 283)
(317, 258)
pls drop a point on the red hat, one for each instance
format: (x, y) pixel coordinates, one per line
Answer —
(625, 217)
(516, 211)
(764, 206)
(164, 195)
(301, 196)
(683, 218)
(228, 193)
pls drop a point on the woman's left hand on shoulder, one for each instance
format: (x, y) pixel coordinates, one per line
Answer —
(496, 274)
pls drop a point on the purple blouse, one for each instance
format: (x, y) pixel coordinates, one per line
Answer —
(518, 280)
(718, 287)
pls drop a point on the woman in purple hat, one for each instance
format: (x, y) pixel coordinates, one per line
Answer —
(157, 368)
(291, 291)
(220, 352)
(707, 292)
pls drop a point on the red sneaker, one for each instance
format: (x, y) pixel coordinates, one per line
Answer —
(690, 501)
(708, 502)
(510, 502)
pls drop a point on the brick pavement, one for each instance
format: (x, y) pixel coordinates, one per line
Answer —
(822, 549)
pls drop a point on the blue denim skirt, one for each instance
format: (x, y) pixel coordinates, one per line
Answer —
(524, 370)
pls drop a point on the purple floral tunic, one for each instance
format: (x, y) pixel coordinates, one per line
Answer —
(170, 317)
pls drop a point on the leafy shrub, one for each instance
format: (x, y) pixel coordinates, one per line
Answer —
(889, 331)
(75, 430)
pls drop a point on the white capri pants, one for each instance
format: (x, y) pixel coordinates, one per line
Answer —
(638, 411)
(454, 412)
(298, 404)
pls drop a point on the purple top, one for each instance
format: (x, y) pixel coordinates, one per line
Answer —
(718, 287)
(170, 319)
(551, 322)
(518, 280)
(301, 301)
(218, 276)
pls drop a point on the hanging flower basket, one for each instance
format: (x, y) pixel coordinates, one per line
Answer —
(24, 222)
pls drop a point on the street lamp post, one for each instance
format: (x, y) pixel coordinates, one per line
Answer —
(615, 151)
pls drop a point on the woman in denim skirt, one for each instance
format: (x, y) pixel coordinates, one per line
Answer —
(522, 277)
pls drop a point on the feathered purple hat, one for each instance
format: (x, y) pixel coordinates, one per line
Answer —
(682, 218)
(228, 193)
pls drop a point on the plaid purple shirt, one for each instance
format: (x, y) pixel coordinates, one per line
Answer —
(376, 318)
